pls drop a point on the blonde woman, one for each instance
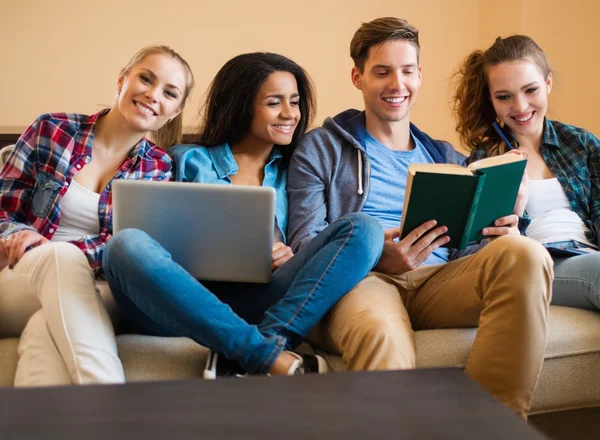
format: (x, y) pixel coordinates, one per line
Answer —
(56, 217)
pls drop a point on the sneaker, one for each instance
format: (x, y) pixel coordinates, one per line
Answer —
(307, 364)
(218, 366)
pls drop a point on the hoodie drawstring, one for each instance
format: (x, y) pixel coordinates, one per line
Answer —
(360, 169)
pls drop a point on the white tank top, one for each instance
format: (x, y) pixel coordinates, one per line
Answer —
(552, 218)
(78, 214)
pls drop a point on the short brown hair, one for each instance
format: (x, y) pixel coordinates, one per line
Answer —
(380, 30)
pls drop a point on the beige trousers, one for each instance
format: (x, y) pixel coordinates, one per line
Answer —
(70, 340)
(504, 289)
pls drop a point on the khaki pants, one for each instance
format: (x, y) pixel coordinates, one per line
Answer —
(70, 338)
(504, 289)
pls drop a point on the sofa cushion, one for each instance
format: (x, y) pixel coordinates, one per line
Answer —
(157, 358)
(8, 361)
(568, 379)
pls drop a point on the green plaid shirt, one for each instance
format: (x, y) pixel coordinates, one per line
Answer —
(573, 155)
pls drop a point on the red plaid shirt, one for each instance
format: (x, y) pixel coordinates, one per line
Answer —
(42, 165)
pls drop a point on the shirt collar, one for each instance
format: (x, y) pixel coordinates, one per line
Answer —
(225, 164)
(549, 137)
(138, 152)
(275, 156)
(223, 160)
(85, 139)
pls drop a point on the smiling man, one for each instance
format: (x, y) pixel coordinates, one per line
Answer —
(358, 162)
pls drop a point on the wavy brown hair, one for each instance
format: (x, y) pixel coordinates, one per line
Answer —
(471, 102)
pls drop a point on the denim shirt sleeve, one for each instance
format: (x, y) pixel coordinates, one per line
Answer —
(193, 164)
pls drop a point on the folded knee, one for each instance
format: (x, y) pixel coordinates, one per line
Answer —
(61, 252)
(367, 233)
(526, 262)
(126, 243)
(522, 251)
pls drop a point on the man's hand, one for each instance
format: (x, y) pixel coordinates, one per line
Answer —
(281, 254)
(508, 225)
(15, 246)
(408, 254)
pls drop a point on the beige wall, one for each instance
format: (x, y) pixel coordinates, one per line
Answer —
(66, 55)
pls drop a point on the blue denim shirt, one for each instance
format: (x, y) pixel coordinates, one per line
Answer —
(214, 165)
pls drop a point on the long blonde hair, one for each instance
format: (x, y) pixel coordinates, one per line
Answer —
(471, 102)
(172, 132)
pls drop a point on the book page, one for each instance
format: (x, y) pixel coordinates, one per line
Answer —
(496, 160)
(438, 168)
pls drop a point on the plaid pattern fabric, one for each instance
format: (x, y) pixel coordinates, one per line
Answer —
(573, 155)
(42, 165)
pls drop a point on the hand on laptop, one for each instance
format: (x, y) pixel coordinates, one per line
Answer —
(281, 253)
(508, 225)
(407, 254)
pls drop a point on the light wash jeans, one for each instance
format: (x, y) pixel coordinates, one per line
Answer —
(251, 323)
(576, 279)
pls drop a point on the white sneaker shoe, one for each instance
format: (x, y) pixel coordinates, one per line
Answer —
(307, 364)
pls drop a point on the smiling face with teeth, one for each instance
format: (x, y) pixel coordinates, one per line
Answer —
(276, 111)
(151, 93)
(519, 94)
(390, 82)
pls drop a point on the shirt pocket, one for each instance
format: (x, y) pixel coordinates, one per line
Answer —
(44, 194)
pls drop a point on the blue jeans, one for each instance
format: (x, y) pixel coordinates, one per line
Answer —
(251, 323)
(576, 279)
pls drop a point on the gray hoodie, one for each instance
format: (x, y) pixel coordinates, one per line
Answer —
(329, 175)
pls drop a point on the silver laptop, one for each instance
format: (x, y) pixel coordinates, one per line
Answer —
(215, 232)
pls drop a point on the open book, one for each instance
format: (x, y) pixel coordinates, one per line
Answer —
(465, 200)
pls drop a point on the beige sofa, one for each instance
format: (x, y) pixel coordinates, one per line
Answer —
(566, 403)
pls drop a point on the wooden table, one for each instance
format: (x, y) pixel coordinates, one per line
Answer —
(420, 404)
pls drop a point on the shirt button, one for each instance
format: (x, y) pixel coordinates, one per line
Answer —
(51, 230)
(78, 166)
(88, 159)
(101, 210)
(124, 167)
(66, 183)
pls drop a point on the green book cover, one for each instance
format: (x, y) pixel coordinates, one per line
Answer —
(498, 195)
(465, 200)
(446, 198)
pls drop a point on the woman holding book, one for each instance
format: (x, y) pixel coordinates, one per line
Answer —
(500, 103)
(257, 107)
(56, 218)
